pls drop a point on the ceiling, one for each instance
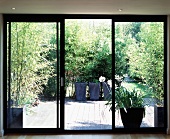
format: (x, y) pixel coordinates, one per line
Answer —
(145, 7)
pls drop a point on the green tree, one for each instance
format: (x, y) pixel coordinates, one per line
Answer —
(133, 29)
(87, 50)
(147, 60)
(30, 69)
(122, 41)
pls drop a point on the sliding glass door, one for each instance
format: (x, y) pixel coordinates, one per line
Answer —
(88, 57)
(139, 73)
(58, 74)
(33, 75)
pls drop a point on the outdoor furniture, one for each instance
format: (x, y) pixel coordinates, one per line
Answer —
(80, 89)
(106, 91)
(94, 90)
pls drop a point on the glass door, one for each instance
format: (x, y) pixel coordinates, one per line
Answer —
(33, 73)
(139, 74)
(59, 74)
(88, 60)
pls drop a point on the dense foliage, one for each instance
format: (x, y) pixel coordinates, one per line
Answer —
(139, 53)
(87, 51)
(30, 67)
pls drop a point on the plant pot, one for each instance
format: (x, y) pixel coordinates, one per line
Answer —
(15, 118)
(158, 116)
(80, 89)
(106, 91)
(132, 118)
(94, 90)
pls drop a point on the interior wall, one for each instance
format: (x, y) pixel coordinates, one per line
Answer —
(1, 78)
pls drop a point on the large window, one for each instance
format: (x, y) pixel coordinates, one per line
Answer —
(59, 70)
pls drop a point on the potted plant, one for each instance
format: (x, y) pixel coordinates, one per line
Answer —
(131, 106)
(106, 88)
(80, 89)
(129, 103)
(158, 107)
(94, 89)
(158, 115)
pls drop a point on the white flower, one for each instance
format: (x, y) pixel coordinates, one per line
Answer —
(109, 83)
(102, 79)
(116, 86)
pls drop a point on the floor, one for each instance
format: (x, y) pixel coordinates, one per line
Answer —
(94, 136)
(79, 115)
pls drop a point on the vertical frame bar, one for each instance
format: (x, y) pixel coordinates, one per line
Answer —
(62, 72)
(165, 75)
(57, 74)
(9, 75)
(113, 73)
(5, 74)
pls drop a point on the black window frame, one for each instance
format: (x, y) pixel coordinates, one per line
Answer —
(61, 18)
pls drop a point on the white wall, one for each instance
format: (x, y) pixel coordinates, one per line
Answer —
(1, 76)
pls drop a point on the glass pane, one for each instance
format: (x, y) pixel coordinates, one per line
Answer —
(88, 56)
(33, 75)
(139, 70)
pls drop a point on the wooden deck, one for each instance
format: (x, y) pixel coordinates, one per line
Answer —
(79, 115)
(94, 115)
(87, 115)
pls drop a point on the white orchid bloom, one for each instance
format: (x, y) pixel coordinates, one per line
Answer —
(109, 82)
(102, 79)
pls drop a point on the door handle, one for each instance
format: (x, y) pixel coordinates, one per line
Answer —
(62, 81)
